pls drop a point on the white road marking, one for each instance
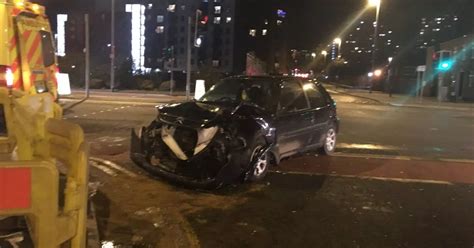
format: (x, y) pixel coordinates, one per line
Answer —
(468, 161)
(401, 180)
(368, 146)
(113, 165)
(362, 155)
(103, 168)
(376, 156)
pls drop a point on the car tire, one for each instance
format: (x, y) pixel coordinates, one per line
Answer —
(258, 171)
(329, 141)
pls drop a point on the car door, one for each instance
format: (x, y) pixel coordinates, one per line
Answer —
(293, 118)
(320, 110)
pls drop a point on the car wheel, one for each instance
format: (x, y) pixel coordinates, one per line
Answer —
(330, 138)
(260, 168)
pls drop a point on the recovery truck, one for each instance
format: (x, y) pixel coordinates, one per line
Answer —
(43, 159)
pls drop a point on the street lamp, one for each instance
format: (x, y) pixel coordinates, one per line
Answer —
(376, 4)
(325, 54)
(313, 55)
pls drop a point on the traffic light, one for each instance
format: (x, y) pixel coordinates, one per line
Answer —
(442, 61)
(445, 65)
(202, 21)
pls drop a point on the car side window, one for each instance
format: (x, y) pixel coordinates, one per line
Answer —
(292, 97)
(315, 96)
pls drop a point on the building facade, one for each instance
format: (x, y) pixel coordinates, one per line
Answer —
(450, 70)
(358, 46)
(212, 34)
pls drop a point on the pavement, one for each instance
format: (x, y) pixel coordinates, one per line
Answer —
(401, 177)
(402, 100)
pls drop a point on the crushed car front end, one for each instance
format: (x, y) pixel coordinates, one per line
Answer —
(206, 150)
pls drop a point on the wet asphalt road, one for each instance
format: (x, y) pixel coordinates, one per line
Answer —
(301, 206)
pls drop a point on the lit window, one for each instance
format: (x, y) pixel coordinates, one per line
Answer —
(160, 18)
(217, 20)
(160, 29)
(264, 32)
(281, 13)
(253, 32)
(215, 63)
(217, 9)
(228, 19)
(171, 8)
(279, 22)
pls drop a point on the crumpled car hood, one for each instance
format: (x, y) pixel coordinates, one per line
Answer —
(194, 114)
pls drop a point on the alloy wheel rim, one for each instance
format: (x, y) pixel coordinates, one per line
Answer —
(261, 164)
(330, 140)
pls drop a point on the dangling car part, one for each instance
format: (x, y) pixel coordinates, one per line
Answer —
(230, 134)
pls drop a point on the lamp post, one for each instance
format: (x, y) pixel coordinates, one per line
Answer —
(112, 47)
(376, 4)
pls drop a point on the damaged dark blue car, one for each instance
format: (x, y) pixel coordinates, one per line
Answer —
(236, 131)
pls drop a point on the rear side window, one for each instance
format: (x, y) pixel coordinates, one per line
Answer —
(47, 48)
(316, 97)
(292, 97)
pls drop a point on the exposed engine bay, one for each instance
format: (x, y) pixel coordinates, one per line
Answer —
(204, 145)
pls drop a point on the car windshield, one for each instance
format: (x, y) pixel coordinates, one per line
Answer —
(258, 92)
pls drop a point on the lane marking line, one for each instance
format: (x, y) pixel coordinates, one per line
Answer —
(406, 158)
(469, 161)
(114, 166)
(104, 169)
(368, 147)
(400, 180)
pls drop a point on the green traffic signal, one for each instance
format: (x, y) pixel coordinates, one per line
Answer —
(445, 65)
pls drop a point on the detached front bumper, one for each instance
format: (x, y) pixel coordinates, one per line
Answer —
(226, 174)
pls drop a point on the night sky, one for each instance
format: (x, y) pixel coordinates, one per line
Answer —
(318, 21)
(313, 22)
